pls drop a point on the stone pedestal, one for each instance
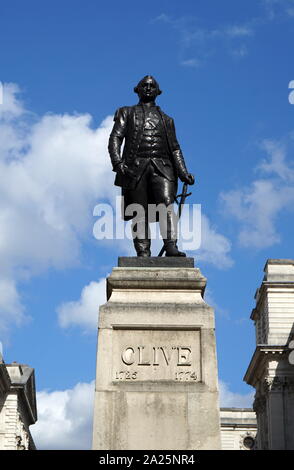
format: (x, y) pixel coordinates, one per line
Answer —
(156, 377)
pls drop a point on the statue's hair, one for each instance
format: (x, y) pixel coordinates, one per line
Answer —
(148, 76)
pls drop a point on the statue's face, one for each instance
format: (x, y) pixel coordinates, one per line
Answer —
(147, 89)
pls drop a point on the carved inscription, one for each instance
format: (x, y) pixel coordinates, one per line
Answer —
(157, 355)
(147, 356)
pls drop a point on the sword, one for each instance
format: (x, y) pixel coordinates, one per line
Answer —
(183, 196)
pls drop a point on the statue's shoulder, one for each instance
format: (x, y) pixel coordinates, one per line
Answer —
(124, 110)
(164, 115)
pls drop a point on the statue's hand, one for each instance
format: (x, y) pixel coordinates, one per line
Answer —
(120, 168)
(188, 178)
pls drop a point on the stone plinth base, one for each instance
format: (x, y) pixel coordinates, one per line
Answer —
(155, 262)
(156, 378)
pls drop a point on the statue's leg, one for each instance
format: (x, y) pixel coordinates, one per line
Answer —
(140, 227)
(165, 194)
(141, 237)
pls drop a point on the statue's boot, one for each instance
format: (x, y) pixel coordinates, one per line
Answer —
(169, 234)
(171, 248)
(142, 247)
(141, 237)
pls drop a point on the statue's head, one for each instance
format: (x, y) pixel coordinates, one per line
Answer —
(147, 89)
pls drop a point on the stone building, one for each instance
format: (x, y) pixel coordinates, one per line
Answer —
(271, 370)
(17, 406)
(238, 429)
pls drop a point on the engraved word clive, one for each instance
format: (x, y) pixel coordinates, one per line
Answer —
(157, 355)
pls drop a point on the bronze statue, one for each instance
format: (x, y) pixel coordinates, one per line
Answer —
(150, 165)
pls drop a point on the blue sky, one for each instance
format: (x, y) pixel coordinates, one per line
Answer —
(224, 68)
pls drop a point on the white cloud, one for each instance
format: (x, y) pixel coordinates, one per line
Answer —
(278, 8)
(11, 106)
(199, 238)
(240, 52)
(290, 11)
(53, 169)
(65, 418)
(191, 62)
(257, 206)
(209, 299)
(215, 247)
(232, 38)
(204, 41)
(84, 312)
(239, 30)
(276, 162)
(11, 309)
(230, 399)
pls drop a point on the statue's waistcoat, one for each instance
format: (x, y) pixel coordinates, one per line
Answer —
(153, 142)
(135, 132)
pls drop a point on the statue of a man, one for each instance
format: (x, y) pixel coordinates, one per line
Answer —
(150, 165)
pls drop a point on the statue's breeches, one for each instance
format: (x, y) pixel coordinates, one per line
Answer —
(152, 188)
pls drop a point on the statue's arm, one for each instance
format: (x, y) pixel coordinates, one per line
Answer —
(178, 158)
(117, 136)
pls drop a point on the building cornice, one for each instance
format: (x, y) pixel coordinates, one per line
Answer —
(246, 426)
(260, 357)
(278, 261)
